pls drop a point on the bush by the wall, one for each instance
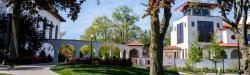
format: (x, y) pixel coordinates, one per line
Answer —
(107, 61)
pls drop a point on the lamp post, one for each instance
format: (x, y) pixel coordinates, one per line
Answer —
(12, 45)
(223, 66)
(238, 47)
(175, 58)
(91, 51)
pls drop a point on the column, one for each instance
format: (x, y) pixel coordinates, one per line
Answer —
(77, 51)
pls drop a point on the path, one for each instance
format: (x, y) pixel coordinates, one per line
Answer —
(36, 69)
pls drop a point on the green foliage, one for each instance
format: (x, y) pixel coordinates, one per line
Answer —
(104, 51)
(31, 6)
(217, 52)
(67, 50)
(120, 29)
(109, 51)
(86, 50)
(116, 52)
(100, 27)
(195, 52)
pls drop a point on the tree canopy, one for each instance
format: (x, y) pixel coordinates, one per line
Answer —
(120, 29)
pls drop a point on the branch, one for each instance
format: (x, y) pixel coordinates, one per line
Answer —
(239, 13)
(224, 16)
(166, 17)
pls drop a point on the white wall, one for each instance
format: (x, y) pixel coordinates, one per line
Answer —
(227, 33)
(190, 32)
(193, 30)
(54, 20)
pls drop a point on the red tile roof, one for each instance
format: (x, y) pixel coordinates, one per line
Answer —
(171, 48)
(187, 5)
(135, 43)
(226, 26)
(228, 44)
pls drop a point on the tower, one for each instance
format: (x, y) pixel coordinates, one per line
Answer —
(196, 23)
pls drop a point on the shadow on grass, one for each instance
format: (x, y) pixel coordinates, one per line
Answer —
(100, 70)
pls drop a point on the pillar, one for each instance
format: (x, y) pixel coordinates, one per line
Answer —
(77, 51)
(56, 53)
(96, 51)
(140, 52)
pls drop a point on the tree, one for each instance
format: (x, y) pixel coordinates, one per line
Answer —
(101, 28)
(31, 7)
(104, 51)
(195, 52)
(31, 36)
(158, 31)
(240, 9)
(216, 51)
(120, 29)
(67, 50)
(124, 24)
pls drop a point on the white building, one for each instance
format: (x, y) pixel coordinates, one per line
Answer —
(52, 32)
(52, 17)
(198, 23)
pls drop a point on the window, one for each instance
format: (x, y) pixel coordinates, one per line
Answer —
(201, 12)
(56, 34)
(205, 12)
(180, 33)
(193, 24)
(197, 12)
(187, 12)
(248, 37)
(205, 31)
(218, 25)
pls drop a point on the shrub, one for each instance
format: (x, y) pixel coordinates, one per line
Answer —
(232, 70)
(67, 50)
(49, 58)
(86, 50)
(74, 60)
(187, 67)
(42, 56)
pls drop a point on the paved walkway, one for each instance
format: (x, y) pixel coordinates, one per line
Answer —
(181, 73)
(36, 69)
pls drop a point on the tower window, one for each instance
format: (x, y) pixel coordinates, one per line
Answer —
(193, 24)
(180, 35)
(205, 29)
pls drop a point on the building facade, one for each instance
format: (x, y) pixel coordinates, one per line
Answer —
(52, 18)
(198, 24)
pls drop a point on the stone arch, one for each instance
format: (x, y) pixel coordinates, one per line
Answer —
(48, 48)
(116, 52)
(235, 54)
(133, 53)
(66, 51)
(145, 51)
(85, 50)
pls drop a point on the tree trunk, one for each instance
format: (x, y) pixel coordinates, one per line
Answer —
(244, 43)
(155, 55)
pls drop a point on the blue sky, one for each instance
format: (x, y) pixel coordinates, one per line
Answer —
(90, 10)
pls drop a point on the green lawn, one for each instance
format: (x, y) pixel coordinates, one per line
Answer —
(4, 74)
(84, 69)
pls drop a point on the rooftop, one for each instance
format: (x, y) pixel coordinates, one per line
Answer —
(187, 5)
(135, 43)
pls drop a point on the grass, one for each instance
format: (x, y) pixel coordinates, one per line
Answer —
(83, 69)
(4, 74)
